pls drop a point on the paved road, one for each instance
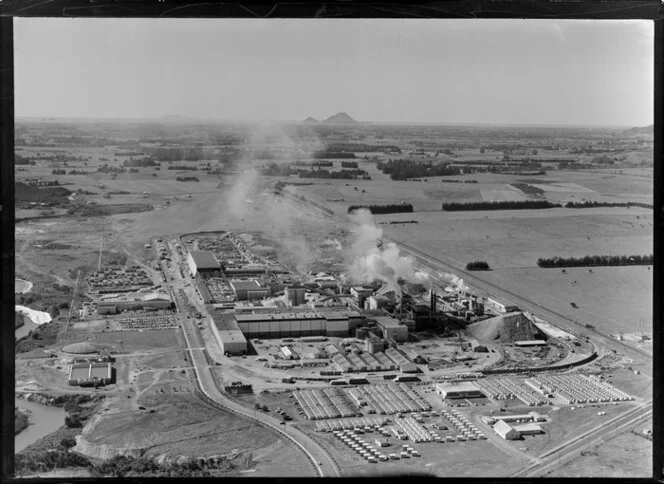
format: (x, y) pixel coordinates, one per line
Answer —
(320, 460)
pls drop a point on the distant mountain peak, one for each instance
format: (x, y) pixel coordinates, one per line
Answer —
(310, 120)
(340, 118)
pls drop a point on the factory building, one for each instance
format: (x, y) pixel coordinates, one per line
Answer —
(145, 301)
(458, 390)
(289, 353)
(501, 306)
(373, 344)
(203, 262)
(228, 335)
(91, 373)
(281, 325)
(405, 366)
(360, 294)
(247, 290)
(392, 329)
(530, 343)
(294, 295)
(377, 302)
(506, 431)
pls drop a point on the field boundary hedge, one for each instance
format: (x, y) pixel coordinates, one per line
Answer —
(381, 209)
(504, 205)
(596, 261)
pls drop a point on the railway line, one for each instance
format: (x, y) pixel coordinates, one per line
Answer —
(572, 448)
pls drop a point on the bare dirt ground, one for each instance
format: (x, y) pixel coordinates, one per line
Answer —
(625, 456)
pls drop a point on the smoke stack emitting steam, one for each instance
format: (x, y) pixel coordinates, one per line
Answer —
(367, 262)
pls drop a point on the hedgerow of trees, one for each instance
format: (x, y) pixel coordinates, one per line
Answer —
(478, 265)
(380, 209)
(596, 260)
(504, 205)
(349, 164)
(591, 204)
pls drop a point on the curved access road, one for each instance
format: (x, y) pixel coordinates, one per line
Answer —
(321, 461)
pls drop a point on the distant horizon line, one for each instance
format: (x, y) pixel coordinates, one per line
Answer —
(173, 119)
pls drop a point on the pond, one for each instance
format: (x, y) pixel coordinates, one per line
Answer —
(43, 420)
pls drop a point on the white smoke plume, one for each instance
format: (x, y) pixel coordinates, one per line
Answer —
(456, 282)
(332, 243)
(249, 200)
(366, 261)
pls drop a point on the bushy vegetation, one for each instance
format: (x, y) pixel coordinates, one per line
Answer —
(105, 168)
(404, 169)
(274, 169)
(341, 174)
(333, 154)
(182, 168)
(58, 171)
(529, 189)
(24, 193)
(393, 208)
(190, 153)
(20, 420)
(591, 204)
(187, 179)
(478, 265)
(78, 172)
(21, 160)
(349, 164)
(596, 260)
(505, 205)
(140, 162)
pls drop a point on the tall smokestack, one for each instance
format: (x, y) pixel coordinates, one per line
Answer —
(433, 302)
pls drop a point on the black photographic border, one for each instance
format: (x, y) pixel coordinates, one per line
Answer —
(533, 9)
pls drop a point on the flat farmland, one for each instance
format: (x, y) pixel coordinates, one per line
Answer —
(517, 238)
(614, 299)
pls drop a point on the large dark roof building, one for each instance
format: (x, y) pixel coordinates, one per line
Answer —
(202, 261)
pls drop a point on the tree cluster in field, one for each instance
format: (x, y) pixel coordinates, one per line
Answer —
(333, 154)
(20, 421)
(362, 147)
(527, 188)
(182, 154)
(187, 179)
(79, 172)
(349, 164)
(24, 193)
(459, 181)
(274, 169)
(504, 205)
(596, 260)
(591, 204)
(478, 265)
(22, 160)
(128, 153)
(381, 209)
(182, 168)
(57, 171)
(140, 162)
(105, 168)
(341, 174)
(325, 163)
(404, 169)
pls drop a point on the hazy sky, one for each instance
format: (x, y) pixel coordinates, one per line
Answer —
(454, 71)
